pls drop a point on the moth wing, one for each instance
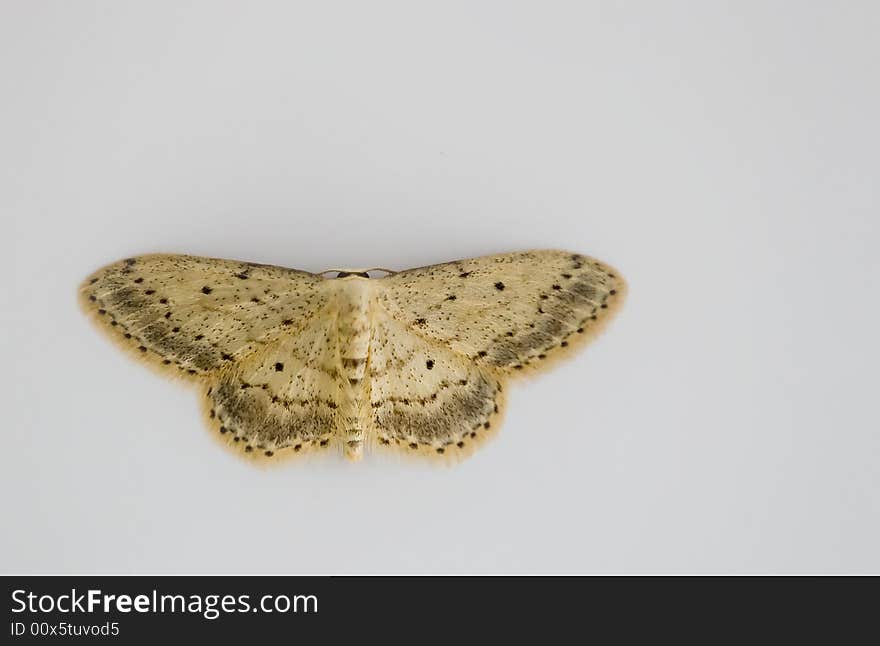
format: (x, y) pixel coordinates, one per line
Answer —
(285, 397)
(424, 397)
(194, 315)
(506, 311)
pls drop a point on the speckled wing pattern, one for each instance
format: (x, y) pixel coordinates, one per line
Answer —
(256, 336)
(472, 323)
(290, 361)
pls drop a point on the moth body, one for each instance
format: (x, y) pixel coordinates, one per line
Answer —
(354, 299)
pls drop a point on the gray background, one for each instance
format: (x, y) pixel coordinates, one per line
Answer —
(723, 155)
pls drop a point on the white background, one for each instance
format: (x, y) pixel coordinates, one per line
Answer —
(724, 156)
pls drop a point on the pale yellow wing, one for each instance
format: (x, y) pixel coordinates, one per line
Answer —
(425, 397)
(287, 395)
(509, 311)
(194, 315)
(261, 339)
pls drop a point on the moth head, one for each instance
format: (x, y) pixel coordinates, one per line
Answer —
(354, 273)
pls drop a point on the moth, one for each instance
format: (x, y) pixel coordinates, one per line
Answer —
(290, 361)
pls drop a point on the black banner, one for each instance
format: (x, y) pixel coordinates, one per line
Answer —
(131, 609)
